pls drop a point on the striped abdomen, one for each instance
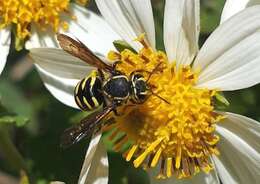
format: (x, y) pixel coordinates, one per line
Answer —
(88, 94)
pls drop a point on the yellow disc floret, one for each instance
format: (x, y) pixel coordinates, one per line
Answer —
(21, 13)
(177, 132)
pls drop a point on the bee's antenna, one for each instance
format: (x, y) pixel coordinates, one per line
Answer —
(160, 97)
(153, 71)
(149, 77)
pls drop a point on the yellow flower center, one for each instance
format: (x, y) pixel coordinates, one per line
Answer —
(44, 13)
(179, 134)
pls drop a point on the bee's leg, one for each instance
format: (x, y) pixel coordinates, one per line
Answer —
(104, 105)
(117, 113)
(115, 64)
(116, 72)
(101, 74)
(139, 71)
(150, 73)
(116, 104)
(123, 109)
(105, 102)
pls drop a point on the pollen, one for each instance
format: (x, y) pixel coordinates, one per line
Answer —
(44, 14)
(177, 138)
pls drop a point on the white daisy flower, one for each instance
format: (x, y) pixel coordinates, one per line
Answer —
(234, 6)
(33, 19)
(186, 141)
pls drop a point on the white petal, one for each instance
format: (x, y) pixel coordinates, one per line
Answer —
(129, 18)
(60, 72)
(228, 34)
(5, 41)
(191, 24)
(200, 178)
(181, 30)
(234, 6)
(95, 167)
(40, 38)
(60, 63)
(237, 68)
(89, 28)
(173, 15)
(223, 172)
(92, 30)
(61, 88)
(239, 160)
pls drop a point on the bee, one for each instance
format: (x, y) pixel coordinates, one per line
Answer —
(104, 87)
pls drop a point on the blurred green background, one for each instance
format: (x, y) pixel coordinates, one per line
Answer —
(33, 120)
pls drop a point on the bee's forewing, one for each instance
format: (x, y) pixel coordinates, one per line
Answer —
(78, 49)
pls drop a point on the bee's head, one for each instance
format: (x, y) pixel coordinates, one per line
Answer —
(140, 89)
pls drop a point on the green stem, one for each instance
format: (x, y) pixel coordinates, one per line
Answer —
(10, 153)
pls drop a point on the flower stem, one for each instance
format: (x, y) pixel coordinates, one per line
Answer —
(10, 153)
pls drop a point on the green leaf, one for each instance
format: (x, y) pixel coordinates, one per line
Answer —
(42, 181)
(220, 101)
(79, 116)
(210, 15)
(14, 102)
(10, 153)
(83, 114)
(121, 45)
(7, 117)
(19, 44)
(19, 121)
(221, 98)
(3, 110)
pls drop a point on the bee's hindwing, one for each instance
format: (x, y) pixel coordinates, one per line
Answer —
(86, 127)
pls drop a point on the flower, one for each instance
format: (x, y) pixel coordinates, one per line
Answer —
(234, 6)
(32, 20)
(187, 134)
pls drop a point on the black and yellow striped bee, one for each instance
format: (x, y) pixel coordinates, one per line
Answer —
(105, 87)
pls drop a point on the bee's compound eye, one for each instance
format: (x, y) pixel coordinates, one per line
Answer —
(138, 76)
(141, 90)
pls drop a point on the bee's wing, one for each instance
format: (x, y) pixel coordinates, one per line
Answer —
(78, 49)
(86, 127)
